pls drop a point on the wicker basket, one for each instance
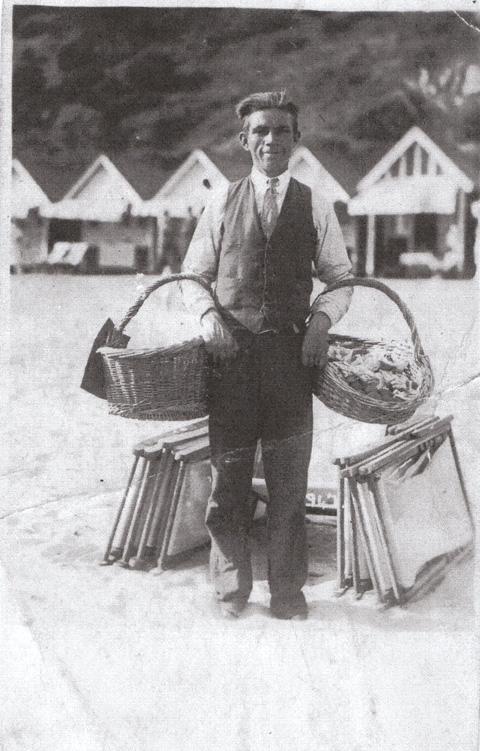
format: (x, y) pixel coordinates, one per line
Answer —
(165, 383)
(333, 390)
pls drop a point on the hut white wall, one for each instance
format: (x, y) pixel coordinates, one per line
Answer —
(316, 177)
(29, 241)
(29, 231)
(117, 240)
(104, 190)
(189, 192)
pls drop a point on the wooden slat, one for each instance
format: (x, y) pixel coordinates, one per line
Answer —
(417, 159)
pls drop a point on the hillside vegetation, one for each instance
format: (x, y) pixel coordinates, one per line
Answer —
(150, 84)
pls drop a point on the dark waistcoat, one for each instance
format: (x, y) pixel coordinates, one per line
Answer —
(271, 276)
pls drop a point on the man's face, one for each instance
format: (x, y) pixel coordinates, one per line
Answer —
(270, 139)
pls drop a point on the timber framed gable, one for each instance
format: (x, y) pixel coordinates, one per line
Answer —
(196, 161)
(304, 165)
(100, 180)
(415, 155)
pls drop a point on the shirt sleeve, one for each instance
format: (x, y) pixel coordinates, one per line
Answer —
(203, 253)
(331, 259)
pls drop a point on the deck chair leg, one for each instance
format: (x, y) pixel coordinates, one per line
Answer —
(108, 558)
(134, 519)
(341, 586)
(366, 541)
(141, 561)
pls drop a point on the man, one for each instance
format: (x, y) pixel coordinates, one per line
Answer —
(255, 242)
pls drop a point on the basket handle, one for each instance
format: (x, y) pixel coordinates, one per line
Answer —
(133, 310)
(375, 284)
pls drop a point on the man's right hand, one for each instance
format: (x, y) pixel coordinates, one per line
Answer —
(218, 339)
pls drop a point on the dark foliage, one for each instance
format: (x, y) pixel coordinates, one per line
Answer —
(29, 88)
(471, 119)
(166, 79)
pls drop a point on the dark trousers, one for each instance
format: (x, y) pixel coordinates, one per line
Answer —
(263, 393)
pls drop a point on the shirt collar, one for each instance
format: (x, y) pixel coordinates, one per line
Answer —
(260, 181)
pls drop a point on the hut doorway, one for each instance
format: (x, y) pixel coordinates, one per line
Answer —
(359, 270)
(426, 232)
(381, 262)
(177, 233)
(64, 230)
(141, 258)
(90, 260)
(469, 268)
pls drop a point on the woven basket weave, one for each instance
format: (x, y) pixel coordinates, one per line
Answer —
(162, 383)
(333, 390)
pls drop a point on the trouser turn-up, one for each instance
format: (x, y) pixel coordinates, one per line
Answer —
(263, 393)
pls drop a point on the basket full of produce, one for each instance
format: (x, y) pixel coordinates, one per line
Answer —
(165, 382)
(371, 380)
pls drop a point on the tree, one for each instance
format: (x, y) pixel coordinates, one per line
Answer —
(76, 126)
(29, 89)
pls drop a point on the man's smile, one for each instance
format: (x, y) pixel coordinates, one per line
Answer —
(270, 139)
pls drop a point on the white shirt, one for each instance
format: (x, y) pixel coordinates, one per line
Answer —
(260, 184)
(331, 259)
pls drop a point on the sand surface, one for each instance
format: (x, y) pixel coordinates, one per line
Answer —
(104, 658)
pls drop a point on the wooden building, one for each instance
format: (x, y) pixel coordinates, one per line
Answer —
(188, 188)
(412, 209)
(105, 212)
(410, 214)
(180, 201)
(177, 205)
(335, 176)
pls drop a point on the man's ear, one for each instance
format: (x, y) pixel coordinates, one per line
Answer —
(243, 139)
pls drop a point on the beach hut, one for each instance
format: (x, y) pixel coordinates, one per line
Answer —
(106, 214)
(308, 169)
(29, 229)
(179, 203)
(333, 175)
(412, 210)
(187, 189)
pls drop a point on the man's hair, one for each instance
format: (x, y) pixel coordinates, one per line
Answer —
(266, 100)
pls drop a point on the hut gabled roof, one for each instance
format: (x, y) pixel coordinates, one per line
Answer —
(235, 163)
(232, 161)
(414, 176)
(197, 157)
(441, 160)
(103, 170)
(55, 176)
(341, 163)
(101, 193)
(327, 181)
(145, 170)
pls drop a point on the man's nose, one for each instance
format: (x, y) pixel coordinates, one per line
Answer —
(269, 137)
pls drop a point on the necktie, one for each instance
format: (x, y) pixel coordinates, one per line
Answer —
(270, 209)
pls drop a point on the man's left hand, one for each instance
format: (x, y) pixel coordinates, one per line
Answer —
(315, 342)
